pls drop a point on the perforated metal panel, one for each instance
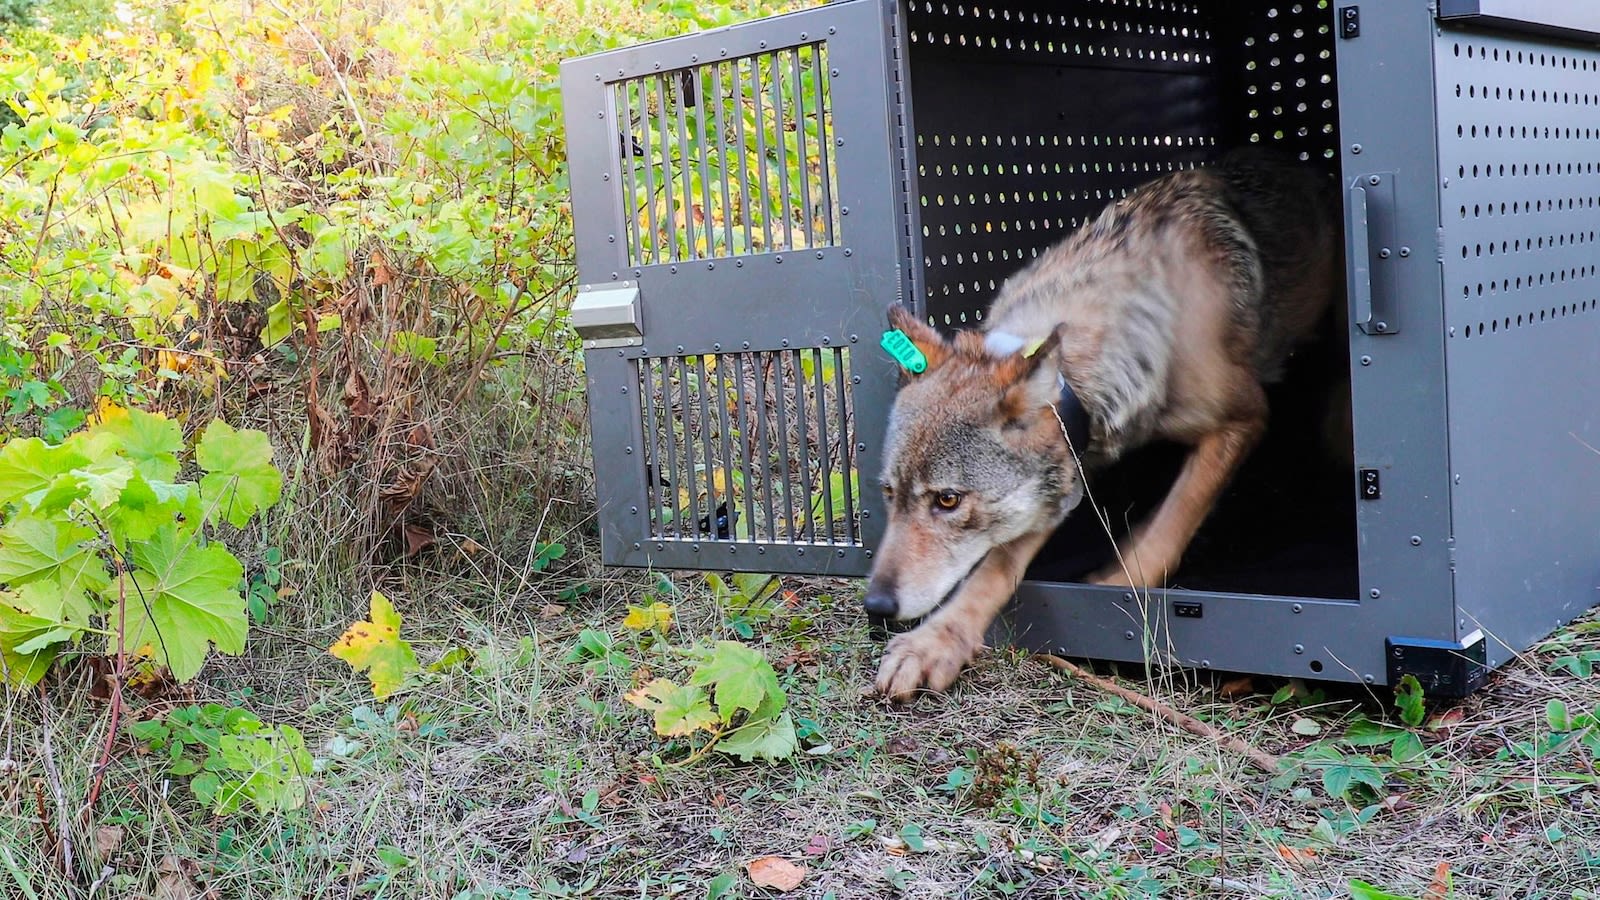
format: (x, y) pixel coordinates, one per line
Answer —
(1519, 154)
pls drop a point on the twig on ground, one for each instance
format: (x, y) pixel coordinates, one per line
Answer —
(1263, 760)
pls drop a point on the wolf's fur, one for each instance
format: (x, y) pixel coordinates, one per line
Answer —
(1166, 315)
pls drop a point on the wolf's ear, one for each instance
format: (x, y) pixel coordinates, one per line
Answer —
(935, 349)
(1030, 377)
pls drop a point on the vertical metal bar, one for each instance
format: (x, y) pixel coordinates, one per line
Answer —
(701, 115)
(652, 454)
(841, 358)
(824, 149)
(764, 447)
(686, 167)
(722, 161)
(781, 403)
(666, 168)
(761, 155)
(800, 144)
(746, 471)
(674, 481)
(629, 161)
(691, 488)
(645, 126)
(782, 147)
(705, 443)
(744, 153)
(822, 444)
(803, 435)
(727, 447)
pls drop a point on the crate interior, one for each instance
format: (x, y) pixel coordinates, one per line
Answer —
(1031, 116)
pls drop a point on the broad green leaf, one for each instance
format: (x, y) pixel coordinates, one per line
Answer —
(679, 709)
(1406, 748)
(34, 549)
(1408, 697)
(147, 505)
(273, 767)
(280, 323)
(240, 478)
(19, 629)
(742, 676)
(152, 442)
(1360, 890)
(375, 647)
(1556, 716)
(770, 737)
(29, 466)
(181, 599)
(103, 481)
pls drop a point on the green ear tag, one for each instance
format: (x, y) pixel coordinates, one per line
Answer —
(904, 352)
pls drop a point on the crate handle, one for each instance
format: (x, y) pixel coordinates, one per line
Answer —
(1370, 236)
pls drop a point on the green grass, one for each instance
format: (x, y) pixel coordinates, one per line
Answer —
(524, 771)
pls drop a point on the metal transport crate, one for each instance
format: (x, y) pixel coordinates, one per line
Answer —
(749, 200)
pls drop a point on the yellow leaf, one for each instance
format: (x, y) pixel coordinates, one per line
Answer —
(375, 647)
(657, 615)
(106, 411)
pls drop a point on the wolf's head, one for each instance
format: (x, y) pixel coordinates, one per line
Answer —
(974, 458)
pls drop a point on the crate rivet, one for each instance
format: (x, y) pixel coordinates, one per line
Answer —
(711, 267)
(761, 550)
(694, 57)
(854, 338)
(778, 260)
(1374, 180)
(1366, 360)
(1368, 679)
(723, 52)
(1384, 253)
(838, 142)
(622, 353)
(799, 551)
(636, 545)
(869, 552)
(733, 549)
(680, 348)
(834, 73)
(849, 252)
(784, 342)
(621, 72)
(1374, 593)
(1299, 648)
(1452, 331)
(1458, 478)
(860, 447)
(819, 254)
(1405, 252)
(624, 390)
(1298, 608)
(832, 30)
(638, 273)
(658, 65)
(660, 547)
(866, 514)
(844, 210)
(1127, 635)
(1382, 326)
(803, 35)
(1205, 663)
(614, 276)
(826, 340)
(627, 450)
(695, 547)
(611, 239)
(762, 45)
(673, 270)
(746, 345)
(855, 379)
(716, 348)
(600, 115)
(1355, 148)
(597, 76)
(1399, 653)
(841, 554)
(1127, 598)
(1416, 541)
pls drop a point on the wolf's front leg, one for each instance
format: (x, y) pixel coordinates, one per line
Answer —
(933, 654)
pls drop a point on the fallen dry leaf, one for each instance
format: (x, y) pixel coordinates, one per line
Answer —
(1446, 720)
(775, 872)
(551, 610)
(1238, 687)
(1440, 888)
(418, 538)
(175, 879)
(819, 845)
(1299, 856)
(107, 838)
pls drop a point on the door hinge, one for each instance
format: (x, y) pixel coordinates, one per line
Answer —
(1350, 22)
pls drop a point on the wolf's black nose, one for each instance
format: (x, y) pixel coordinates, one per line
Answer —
(881, 603)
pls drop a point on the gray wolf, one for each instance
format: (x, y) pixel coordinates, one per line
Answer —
(1162, 318)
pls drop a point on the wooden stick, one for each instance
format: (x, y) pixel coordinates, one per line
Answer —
(1263, 760)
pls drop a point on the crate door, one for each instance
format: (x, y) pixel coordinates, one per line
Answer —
(737, 197)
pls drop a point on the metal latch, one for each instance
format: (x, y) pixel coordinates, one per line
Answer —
(608, 315)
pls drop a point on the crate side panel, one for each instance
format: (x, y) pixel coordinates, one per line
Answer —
(1519, 153)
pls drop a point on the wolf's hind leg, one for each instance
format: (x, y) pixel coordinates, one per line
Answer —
(1152, 552)
(933, 654)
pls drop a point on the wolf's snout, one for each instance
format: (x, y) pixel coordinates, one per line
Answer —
(881, 601)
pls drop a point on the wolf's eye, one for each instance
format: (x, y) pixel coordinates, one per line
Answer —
(948, 500)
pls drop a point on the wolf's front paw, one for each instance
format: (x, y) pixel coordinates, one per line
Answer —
(928, 657)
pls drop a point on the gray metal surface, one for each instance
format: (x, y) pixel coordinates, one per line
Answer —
(746, 180)
(1519, 118)
(1575, 19)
